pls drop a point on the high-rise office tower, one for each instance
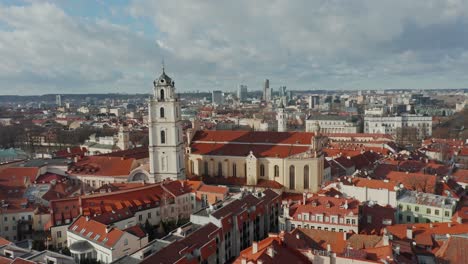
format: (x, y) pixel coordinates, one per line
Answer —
(242, 92)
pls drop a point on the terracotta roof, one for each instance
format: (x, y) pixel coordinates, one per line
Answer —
(136, 231)
(414, 181)
(259, 151)
(202, 239)
(4, 242)
(136, 153)
(15, 176)
(369, 183)
(48, 177)
(319, 239)
(103, 166)
(95, 231)
(461, 175)
(283, 253)
(213, 189)
(254, 137)
(325, 205)
(399, 230)
(454, 250)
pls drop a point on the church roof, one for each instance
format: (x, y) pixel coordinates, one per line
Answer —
(240, 143)
(164, 79)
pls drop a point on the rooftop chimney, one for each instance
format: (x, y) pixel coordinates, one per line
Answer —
(409, 232)
(271, 252)
(328, 247)
(254, 247)
(243, 260)
(397, 249)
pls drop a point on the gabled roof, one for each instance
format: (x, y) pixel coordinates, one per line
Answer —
(95, 231)
(103, 166)
(202, 239)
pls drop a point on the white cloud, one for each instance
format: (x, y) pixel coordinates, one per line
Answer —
(217, 44)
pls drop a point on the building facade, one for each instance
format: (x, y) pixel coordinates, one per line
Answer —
(321, 213)
(389, 124)
(334, 124)
(293, 159)
(165, 132)
(419, 207)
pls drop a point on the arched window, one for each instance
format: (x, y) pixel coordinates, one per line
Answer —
(262, 170)
(292, 177)
(161, 112)
(245, 169)
(205, 168)
(163, 137)
(306, 177)
(192, 167)
(276, 171)
(220, 169)
(234, 170)
(162, 94)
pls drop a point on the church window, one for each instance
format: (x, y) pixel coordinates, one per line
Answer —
(276, 171)
(245, 169)
(292, 177)
(306, 177)
(205, 167)
(163, 137)
(192, 167)
(262, 170)
(234, 170)
(220, 169)
(161, 112)
(162, 94)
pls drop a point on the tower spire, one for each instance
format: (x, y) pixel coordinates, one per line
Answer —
(163, 66)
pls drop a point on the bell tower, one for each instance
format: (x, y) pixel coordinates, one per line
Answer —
(166, 149)
(282, 118)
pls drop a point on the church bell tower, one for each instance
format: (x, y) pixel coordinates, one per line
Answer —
(166, 149)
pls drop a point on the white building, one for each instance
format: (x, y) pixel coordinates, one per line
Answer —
(333, 124)
(91, 239)
(165, 132)
(389, 124)
(321, 213)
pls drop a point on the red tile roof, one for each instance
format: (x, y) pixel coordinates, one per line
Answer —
(254, 137)
(454, 250)
(136, 153)
(399, 230)
(95, 231)
(15, 176)
(283, 253)
(461, 175)
(325, 205)
(202, 239)
(240, 143)
(259, 151)
(103, 166)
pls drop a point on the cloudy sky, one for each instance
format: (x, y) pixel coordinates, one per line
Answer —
(91, 47)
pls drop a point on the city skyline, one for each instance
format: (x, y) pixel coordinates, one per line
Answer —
(89, 46)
